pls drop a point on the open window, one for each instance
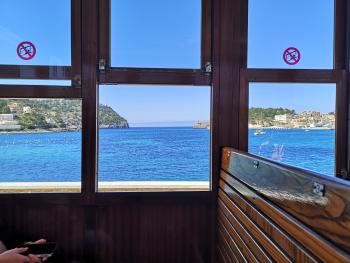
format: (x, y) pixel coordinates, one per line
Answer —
(154, 138)
(294, 101)
(155, 57)
(40, 96)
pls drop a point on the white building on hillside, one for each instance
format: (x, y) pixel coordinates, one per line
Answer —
(285, 118)
(27, 109)
(7, 122)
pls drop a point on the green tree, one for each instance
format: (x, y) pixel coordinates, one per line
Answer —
(4, 108)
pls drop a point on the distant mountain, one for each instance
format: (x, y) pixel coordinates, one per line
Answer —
(56, 114)
(108, 118)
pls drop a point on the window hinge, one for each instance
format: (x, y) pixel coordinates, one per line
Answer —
(344, 173)
(102, 64)
(208, 67)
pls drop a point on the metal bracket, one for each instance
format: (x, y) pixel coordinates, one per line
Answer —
(102, 64)
(344, 173)
(256, 164)
(76, 81)
(319, 189)
(208, 67)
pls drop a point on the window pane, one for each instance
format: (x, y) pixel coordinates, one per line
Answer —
(40, 145)
(45, 24)
(154, 138)
(274, 26)
(35, 82)
(294, 124)
(155, 33)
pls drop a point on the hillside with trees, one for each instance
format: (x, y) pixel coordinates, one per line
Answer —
(266, 115)
(56, 114)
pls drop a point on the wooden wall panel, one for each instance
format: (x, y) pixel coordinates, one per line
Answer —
(153, 232)
(61, 224)
(248, 196)
(126, 230)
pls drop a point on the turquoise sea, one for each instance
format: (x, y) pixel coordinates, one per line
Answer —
(156, 154)
(308, 149)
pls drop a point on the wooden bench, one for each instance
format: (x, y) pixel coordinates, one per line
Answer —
(268, 212)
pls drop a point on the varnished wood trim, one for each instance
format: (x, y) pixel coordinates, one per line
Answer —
(223, 250)
(206, 45)
(291, 75)
(305, 236)
(244, 34)
(243, 113)
(24, 91)
(232, 244)
(41, 199)
(220, 256)
(248, 255)
(89, 92)
(155, 77)
(340, 30)
(274, 251)
(232, 254)
(342, 127)
(76, 42)
(105, 31)
(249, 240)
(295, 251)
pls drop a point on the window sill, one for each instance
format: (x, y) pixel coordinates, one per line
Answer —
(75, 187)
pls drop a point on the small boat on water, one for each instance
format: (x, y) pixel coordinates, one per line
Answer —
(259, 132)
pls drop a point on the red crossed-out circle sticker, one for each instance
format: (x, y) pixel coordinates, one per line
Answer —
(26, 50)
(291, 56)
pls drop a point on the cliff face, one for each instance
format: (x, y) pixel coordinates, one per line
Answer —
(57, 114)
(108, 118)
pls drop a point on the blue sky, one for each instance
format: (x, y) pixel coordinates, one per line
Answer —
(140, 40)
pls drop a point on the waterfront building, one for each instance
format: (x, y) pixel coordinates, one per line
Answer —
(7, 122)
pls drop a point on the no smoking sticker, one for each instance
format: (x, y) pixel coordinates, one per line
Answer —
(291, 56)
(26, 50)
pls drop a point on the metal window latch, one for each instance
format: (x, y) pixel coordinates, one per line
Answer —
(256, 164)
(102, 64)
(344, 173)
(76, 81)
(319, 189)
(208, 67)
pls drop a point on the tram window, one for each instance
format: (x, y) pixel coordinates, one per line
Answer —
(283, 34)
(35, 32)
(156, 33)
(40, 145)
(293, 124)
(154, 138)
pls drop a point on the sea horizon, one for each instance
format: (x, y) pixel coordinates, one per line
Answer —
(152, 153)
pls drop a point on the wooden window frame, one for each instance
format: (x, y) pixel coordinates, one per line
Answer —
(149, 76)
(88, 27)
(53, 72)
(153, 76)
(338, 75)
